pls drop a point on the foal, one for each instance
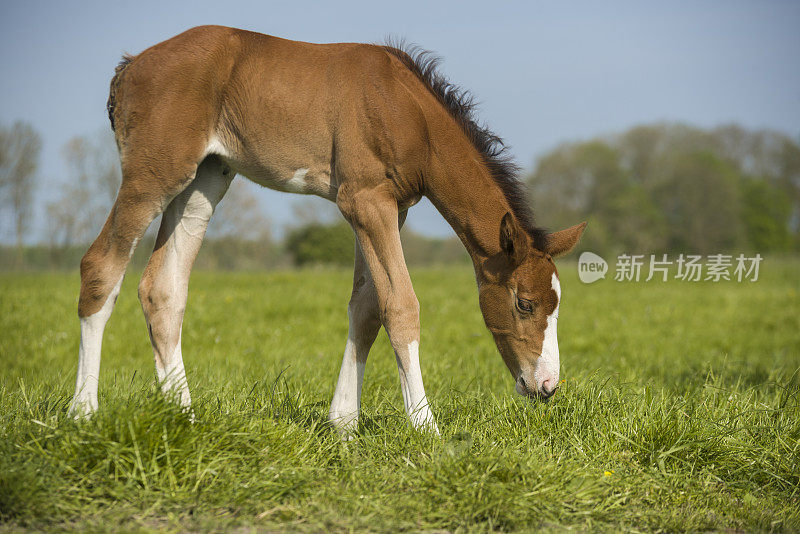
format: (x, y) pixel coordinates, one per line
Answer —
(371, 128)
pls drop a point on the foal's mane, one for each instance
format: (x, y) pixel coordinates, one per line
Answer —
(461, 105)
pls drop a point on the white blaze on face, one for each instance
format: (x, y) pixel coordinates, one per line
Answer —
(547, 365)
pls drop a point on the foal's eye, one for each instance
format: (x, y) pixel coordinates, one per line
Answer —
(524, 305)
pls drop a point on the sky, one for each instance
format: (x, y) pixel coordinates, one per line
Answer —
(544, 72)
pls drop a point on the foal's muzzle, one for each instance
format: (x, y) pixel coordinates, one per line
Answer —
(544, 391)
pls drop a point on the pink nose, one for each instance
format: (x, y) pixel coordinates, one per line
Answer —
(545, 390)
(548, 388)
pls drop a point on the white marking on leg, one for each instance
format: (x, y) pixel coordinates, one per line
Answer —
(84, 402)
(547, 366)
(172, 377)
(188, 214)
(414, 398)
(346, 402)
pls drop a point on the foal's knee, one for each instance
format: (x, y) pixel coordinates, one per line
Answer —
(362, 310)
(154, 297)
(145, 284)
(97, 281)
(400, 316)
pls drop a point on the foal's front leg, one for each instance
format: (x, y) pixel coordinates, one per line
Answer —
(374, 219)
(364, 322)
(164, 286)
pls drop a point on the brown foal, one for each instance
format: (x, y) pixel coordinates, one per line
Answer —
(371, 128)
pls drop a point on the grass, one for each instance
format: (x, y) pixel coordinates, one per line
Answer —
(680, 411)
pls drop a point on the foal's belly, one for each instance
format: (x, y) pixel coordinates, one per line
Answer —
(303, 179)
(302, 175)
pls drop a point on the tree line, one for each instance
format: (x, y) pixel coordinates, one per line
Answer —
(675, 188)
(240, 236)
(652, 188)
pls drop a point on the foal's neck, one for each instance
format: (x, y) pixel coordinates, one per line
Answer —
(467, 196)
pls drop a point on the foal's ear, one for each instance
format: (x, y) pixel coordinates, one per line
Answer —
(512, 240)
(562, 242)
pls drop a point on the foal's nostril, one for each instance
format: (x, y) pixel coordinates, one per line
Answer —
(545, 390)
(520, 386)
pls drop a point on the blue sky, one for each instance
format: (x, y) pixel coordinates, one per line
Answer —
(544, 72)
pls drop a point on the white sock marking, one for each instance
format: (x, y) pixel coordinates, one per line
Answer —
(347, 397)
(173, 377)
(414, 398)
(85, 400)
(189, 214)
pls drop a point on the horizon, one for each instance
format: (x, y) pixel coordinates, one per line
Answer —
(543, 74)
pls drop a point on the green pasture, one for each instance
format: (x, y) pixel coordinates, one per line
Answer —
(679, 410)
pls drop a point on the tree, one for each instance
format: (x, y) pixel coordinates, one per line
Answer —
(239, 235)
(701, 200)
(766, 213)
(588, 181)
(308, 210)
(77, 216)
(675, 187)
(20, 147)
(788, 180)
(238, 215)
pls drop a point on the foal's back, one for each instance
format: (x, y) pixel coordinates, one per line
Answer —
(290, 115)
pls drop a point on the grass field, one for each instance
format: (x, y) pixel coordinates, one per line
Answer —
(680, 410)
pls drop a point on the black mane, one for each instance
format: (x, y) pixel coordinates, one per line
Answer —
(461, 105)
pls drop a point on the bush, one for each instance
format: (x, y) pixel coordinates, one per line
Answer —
(317, 243)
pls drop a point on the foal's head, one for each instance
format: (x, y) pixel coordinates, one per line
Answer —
(520, 295)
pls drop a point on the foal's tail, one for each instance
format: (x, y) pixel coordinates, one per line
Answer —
(112, 102)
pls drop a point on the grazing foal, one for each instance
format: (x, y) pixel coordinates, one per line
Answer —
(371, 128)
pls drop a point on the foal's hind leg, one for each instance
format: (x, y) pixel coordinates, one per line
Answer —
(146, 189)
(165, 282)
(363, 325)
